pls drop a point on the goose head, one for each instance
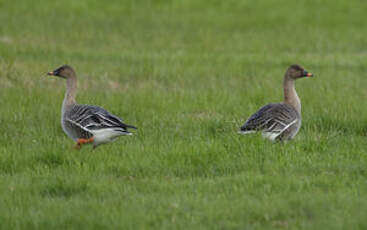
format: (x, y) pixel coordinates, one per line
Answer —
(296, 71)
(64, 71)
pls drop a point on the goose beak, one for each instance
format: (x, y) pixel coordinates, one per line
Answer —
(307, 74)
(54, 73)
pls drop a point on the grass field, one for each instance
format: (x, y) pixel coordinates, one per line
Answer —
(188, 74)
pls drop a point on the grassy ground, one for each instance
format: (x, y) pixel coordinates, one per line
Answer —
(188, 74)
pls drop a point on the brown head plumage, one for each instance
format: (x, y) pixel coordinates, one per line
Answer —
(64, 71)
(296, 71)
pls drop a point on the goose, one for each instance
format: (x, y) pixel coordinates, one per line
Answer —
(86, 123)
(280, 121)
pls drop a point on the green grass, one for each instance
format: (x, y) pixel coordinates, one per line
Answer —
(188, 74)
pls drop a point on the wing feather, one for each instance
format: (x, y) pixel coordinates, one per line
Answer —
(76, 130)
(272, 118)
(94, 118)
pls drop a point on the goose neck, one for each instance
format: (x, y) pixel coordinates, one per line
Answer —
(70, 94)
(290, 94)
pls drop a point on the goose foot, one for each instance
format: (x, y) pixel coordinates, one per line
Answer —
(80, 142)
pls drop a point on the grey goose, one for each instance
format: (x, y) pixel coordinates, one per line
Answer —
(86, 123)
(280, 121)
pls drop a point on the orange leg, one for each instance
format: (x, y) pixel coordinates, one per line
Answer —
(80, 142)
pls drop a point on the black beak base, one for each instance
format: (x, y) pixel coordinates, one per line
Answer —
(307, 74)
(53, 73)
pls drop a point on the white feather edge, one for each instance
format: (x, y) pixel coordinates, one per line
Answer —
(270, 135)
(246, 132)
(273, 135)
(77, 124)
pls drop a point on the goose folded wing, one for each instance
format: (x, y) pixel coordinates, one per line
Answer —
(77, 130)
(93, 117)
(274, 118)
